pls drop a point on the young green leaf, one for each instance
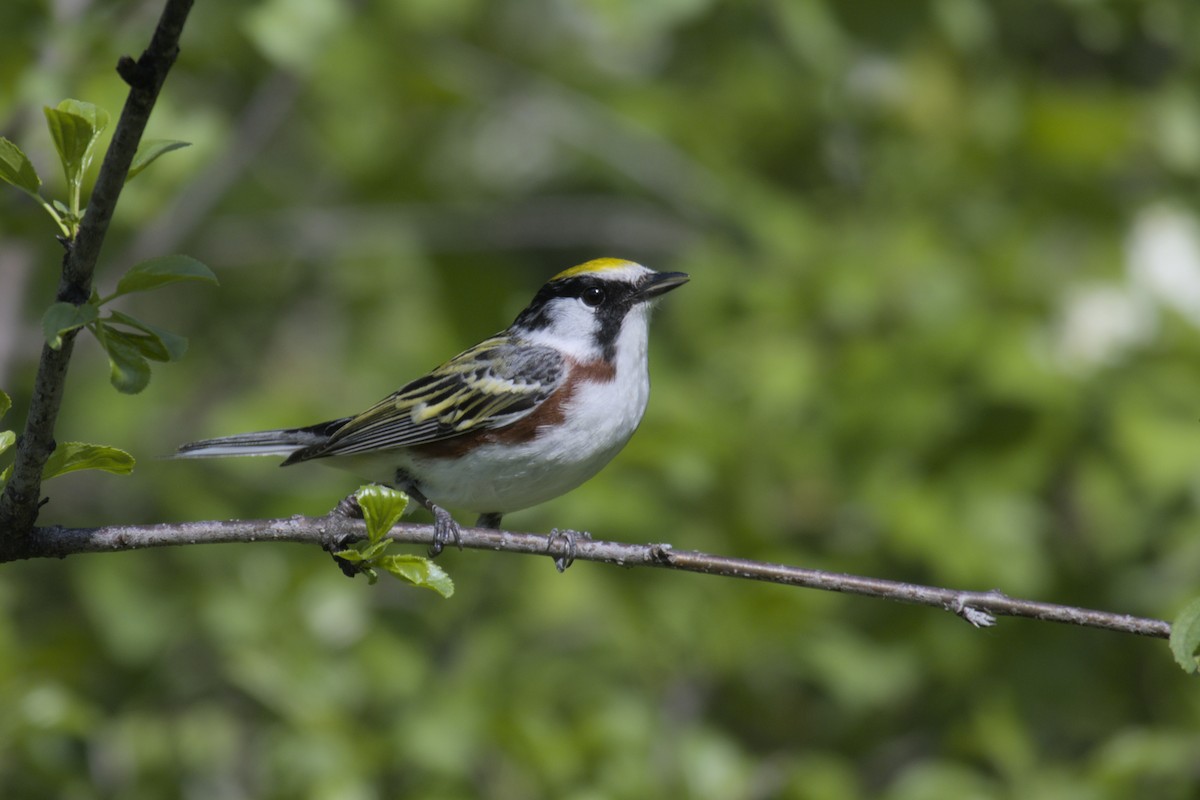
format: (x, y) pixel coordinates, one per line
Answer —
(161, 271)
(148, 151)
(72, 456)
(174, 344)
(75, 126)
(63, 317)
(7, 440)
(17, 169)
(129, 371)
(1185, 637)
(96, 117)
(419, 571)
(382, 508)
(5, 403)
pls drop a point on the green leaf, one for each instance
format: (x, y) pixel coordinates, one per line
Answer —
(350, 555)
(17, 169)
(419, 571)
(73, 456)
(75, 126)
(373, 551)
(161, 271)
(149, 150)
(174, 344)
(1185, 637)
(129, 371)
(150, 347)
(63, 317)
(382, 508)
(5, 403)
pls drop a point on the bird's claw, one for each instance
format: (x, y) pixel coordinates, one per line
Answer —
(445, 531)
(570, 541)
(349, 507)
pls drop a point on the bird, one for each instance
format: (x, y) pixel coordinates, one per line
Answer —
(520, 418)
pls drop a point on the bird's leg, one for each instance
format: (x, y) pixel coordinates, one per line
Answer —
(489, 520)
(445, 529)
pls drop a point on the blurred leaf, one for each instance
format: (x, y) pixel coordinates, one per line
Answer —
(129, 371)
(382, 508)
(73, 456)
(149, 151)
(161, 271)
(419, 571)
(5, 403)
(63, 317)
(1185, 637)
(16, 168)
(175, 345)
(149, 346)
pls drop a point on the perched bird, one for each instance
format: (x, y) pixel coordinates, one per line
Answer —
(520, 418)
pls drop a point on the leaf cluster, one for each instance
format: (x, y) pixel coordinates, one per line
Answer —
(131, 344)
(382, 508)
(75, 127)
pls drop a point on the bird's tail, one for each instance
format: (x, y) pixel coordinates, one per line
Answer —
(282, 442)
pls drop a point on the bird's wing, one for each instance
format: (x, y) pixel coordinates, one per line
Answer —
(493, 384)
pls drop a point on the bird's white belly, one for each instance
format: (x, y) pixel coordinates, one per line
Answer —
(598, 421)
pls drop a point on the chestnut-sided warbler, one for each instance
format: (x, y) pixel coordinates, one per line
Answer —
(520, 418)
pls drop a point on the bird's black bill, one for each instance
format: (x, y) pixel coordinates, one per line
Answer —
(660, 283)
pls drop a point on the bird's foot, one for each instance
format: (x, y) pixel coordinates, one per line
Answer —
(570, 540)
(445, 530)
(347, 508)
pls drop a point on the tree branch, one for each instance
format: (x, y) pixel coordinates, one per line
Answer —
(19, 503)
(332, 530)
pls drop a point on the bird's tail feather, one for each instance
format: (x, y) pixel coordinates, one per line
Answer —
(282, 442)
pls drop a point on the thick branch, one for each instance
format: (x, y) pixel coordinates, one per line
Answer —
(975, 607)
(19, 503)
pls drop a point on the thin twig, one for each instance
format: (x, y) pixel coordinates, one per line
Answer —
(19, 503)
(977, 608)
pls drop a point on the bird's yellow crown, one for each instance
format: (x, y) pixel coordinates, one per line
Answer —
(595, 265)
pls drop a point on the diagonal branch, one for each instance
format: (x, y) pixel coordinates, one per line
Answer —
(19, 503)
(977, 608)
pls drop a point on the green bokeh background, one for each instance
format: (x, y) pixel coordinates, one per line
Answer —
(942, 327)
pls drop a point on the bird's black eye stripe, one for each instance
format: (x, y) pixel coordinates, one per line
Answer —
(593, 296)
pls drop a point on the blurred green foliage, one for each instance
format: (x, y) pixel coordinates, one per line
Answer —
(942, 326)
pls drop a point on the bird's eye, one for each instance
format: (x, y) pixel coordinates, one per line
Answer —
(593, 296)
